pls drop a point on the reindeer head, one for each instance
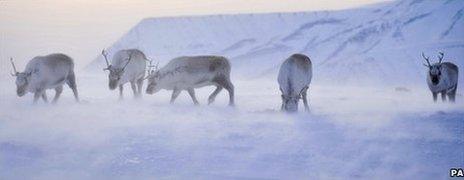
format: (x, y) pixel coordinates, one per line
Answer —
(22, 81)
(434, 69)
(290, 102)
(153, 78)
(115, 73)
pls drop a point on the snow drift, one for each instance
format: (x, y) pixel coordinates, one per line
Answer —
(348, 135)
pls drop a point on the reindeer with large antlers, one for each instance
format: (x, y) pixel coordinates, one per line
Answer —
(126, 66)
(442, 78)
(190, 72)
(46, 72)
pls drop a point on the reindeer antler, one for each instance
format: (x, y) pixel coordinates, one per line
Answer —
(150, 70)
(156, 66)
(128, 60)
(440, 57)
(105, 55)
(426, 59)
(150, 65)
(14, 67)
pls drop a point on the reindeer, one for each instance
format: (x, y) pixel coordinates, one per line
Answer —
(127, 66)
(46, 72)
(294, 78)
(190, 72)
(442, 78)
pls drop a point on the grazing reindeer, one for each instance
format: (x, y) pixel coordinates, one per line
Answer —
(187, 73)
(442, 78)
(46, 72)
(294, 77)
(127, 66)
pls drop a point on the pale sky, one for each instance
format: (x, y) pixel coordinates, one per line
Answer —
(81, 28)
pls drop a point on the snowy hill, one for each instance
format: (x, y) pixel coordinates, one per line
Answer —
(383, 41)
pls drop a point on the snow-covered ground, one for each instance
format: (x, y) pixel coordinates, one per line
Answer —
(351, 132)
(384, 128)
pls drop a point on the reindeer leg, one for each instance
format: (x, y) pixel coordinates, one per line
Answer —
(282, 106)
(191, 92)
(121, 89)
(134, 89)
(213, 95)
(225, 82)
(434, 96)
(58, 91)
(139, 86)
(174, 95)
(443, 96)
(452, 94)
(71, 81)
(37, 95)
(230, 87)
(44, 96)
(305, 100)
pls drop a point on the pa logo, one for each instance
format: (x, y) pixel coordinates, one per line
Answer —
(456, 172)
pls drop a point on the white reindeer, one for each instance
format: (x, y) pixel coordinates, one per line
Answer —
(128, 65)
(190, 72)
(442, 78)
(46, 72)
(294, 77)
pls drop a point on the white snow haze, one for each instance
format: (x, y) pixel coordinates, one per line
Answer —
(371, 115)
